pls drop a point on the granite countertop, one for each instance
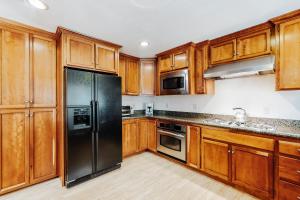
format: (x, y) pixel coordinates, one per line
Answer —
(282, 128)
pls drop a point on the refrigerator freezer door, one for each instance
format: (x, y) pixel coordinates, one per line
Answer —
(109, 122)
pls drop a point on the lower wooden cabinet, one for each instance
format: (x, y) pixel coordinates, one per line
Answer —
(152, 135)
(28, 143)
(193, 147)
(215, 158)
(130, 130)
(253, 170)
(288, 191)
(143, 135)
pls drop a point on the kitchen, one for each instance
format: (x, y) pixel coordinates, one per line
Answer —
(208, 111)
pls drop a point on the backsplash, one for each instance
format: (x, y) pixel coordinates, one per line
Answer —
(137, 102)
(256, 94)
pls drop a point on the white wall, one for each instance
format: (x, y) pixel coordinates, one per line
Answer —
(256, 94)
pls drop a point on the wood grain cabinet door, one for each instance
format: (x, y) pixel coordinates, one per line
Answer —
(152, 135)
(288, 191)
(132, 77)
(122, 73)
(14, 68)
(289, 55)
(130, 137)
(223, 52)
(106, 59)
(165, 63)
(253, 170)
(14, 145)
(43, 72)
(181, 59)
(193, 147)
(255, 44)
(43, 144)
(148, 77)
(201, 65)
(143, 135)
(215, 158)
(80, 52)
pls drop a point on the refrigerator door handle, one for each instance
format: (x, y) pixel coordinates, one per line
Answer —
(93, 116)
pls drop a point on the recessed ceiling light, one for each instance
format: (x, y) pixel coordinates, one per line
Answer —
(38, 4)
(144, 43)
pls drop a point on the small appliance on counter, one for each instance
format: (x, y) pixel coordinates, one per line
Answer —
(126, 111)
(240, 115)
(149, 109)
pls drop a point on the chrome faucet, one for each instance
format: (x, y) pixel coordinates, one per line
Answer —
(240, 115)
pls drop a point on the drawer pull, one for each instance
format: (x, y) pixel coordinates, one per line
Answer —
(298, 150)
(298, 171)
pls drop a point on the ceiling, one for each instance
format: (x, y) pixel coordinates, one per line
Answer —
(163, 23)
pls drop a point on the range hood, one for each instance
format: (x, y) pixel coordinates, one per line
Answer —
(257, 66)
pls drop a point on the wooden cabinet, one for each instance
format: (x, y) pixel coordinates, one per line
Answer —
(165, 63)
(223, 52)
(202, 86)
(80, 52)
(253, 170)
(14, 85)
(193, 147)
(152, 135)
(180, 59)
(130, 130)
(288, 191)
(251, 42)
(43, 144)
(106, 58)
(215, 158)
(143, 134)
(14, 145)
(254, 44)
(288, 54)
(289, 169)
(148, 73)
(289, 148)
(43, 72)
(130, 74)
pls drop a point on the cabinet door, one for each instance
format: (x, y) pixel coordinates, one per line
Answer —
(181, 60)
(152, 135)
(80, 52)
(289, 55)
(255, 44)
(193, 147)
(106, 59)
(14, 84)
(43, 144)
(143, 135)
(148, 77)
(165, 63)
(130, 134)
(215, 158)
(201, 65)
(132, 77)
(14, 145)
(253, 170)
(43, 72)
(288, 191)
(223, 52)
(122, 73)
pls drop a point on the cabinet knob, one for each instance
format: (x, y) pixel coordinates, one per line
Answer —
(298, 171)
(298, 197)
(31, 101)
(26, 101)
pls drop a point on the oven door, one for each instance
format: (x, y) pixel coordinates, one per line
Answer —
(173, 83)
(172, 144)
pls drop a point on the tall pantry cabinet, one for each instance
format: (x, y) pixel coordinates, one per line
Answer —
(27, 106)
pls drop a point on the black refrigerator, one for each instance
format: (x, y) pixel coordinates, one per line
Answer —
(93, 124)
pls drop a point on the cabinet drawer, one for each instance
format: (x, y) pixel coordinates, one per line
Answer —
(289, 169)
(288, 191)
(290, 148)
(247, 140)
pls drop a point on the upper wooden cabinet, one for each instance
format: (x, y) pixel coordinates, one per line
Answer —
(253, 170)
(165, 63)
(202, 86)
(130, 74)
(80, 52)
(14, 85)
(181, 59)
(106, 59)
(288, 51)
(251, 42)
(223, 52)
(43, 72)
(148, 74)
(86, 52)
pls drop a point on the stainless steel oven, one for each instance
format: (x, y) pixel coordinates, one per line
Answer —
(176, 82)
(171, 140)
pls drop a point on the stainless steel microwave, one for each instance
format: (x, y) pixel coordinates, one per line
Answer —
(176, 82)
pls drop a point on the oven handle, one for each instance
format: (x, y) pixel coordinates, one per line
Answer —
(170, 133)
